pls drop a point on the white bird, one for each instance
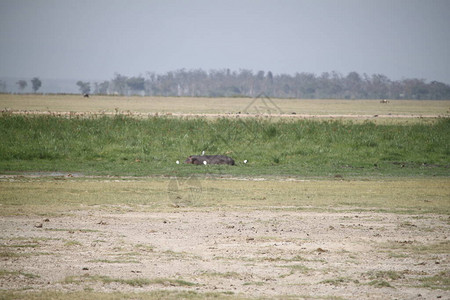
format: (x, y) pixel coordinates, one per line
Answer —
(205, 163)
(245, 161)
(203, 152)
(178, 162)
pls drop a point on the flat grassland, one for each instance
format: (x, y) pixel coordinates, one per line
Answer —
(377, 229)
(224, 106)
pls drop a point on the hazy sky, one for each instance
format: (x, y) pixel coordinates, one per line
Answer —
(93, 39)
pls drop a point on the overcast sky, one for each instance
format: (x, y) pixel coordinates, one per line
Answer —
(93, 39)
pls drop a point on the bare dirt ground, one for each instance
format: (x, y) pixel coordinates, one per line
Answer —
(255, 253)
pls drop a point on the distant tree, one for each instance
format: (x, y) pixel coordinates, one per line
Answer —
(84, 87)
(260, 75)
(305, 85)
(2, 86)
(150, 84)
(270, 77)
(136, 84)
(22, 84)
(36, 84)
(353, 83)
(259, 83)
(414, 88)
(246, 81)
(119, 84)
(101, 88)
(439, 90)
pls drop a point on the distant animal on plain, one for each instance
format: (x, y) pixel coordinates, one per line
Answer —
(86, 95)
(384, 101)
(209, 160)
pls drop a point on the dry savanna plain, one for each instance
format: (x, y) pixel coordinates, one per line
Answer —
(225, 107)
(76, 235)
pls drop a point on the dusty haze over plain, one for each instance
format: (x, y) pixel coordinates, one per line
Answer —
(93, 39)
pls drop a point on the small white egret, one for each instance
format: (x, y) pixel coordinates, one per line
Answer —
(203, 152)
(245, 161)
(178, 162)
(205, 163)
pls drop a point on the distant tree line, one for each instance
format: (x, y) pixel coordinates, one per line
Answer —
(246, 83)
(36, 84)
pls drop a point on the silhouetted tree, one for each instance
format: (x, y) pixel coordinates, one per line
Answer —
(136, 84)
(439, 90)
(101, 88)
(36, 84)
(2, 86)
(84, 87)
(119, 84)
(22, 84)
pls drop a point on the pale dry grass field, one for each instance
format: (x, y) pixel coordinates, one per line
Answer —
(224, 106)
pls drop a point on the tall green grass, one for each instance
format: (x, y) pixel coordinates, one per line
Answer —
(124, 145)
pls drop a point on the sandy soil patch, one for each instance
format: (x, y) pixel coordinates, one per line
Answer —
(353, 255)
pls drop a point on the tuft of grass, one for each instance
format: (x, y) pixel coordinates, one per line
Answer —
(21, 246)
(439, 281)
(172, 282)
(227, 275)
(338, 281)
(178, 255)
(385, 275)
(145, 247)
(419, 248)
(380, 283)
(70, 230)
(136, 282)
(114, 261)
(257, 283)
(9, 254)
(4, 273)
(72, 243)
(296, 258)
(297, 268)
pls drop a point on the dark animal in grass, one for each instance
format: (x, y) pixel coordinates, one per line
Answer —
(210, 160)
